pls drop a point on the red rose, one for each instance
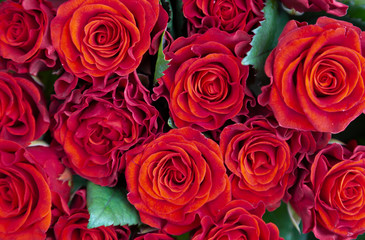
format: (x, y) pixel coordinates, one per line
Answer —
(23, 115)
(227, 15)
(96, 126)
(332, 203)
(25, 203)
(261, 161)
(330, 6)
(205, 83)
(95, 38)
(236, 220)
(175, 178)
(25, 40)
(317, 76)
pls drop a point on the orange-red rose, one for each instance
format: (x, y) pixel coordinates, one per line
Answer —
(317, 76)
(205, 83)
(261, 161)
(331, 202)
(95, 37)
(237, 220)
(175, 179)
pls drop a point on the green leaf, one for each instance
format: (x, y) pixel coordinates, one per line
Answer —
(171, 123)
(266, 35)
(185, 236)
(77, 183)
(109, 206)
(47, 78)
(294, 217)
(280, 217)
(161, 62)
(356, 9)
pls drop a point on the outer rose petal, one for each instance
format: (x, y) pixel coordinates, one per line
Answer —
(170, 180)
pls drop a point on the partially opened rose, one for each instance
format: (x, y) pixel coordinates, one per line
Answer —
(333, 195)
(317, 76)
(23, 112)
(25, 39)
(330, 6)
(175, 179)
(95, 38)
(96, 126)
(25, 202)
(236, 220)
(260, 161)
(227, 15)
(205, 83)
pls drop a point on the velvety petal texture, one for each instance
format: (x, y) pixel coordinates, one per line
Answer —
(205, 83)
(25, 196)
(96, 126)
(23, 112)
(317, 76)
(95, 38)
(175, 179)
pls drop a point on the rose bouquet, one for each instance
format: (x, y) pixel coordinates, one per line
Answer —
(184, 119)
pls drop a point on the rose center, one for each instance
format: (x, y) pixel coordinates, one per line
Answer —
(225, 10)
(210, 87)
(16, 32)
(328, 78)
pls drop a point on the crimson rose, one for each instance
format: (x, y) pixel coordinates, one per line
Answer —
(25, 202)
(317, 76)
(205, 83)
(237, 220)
(332, 195)
(23, 113)
(176, 178)
(227, 15)
(96, 126)
(330, 6)
(95, 38)
(25, 40)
